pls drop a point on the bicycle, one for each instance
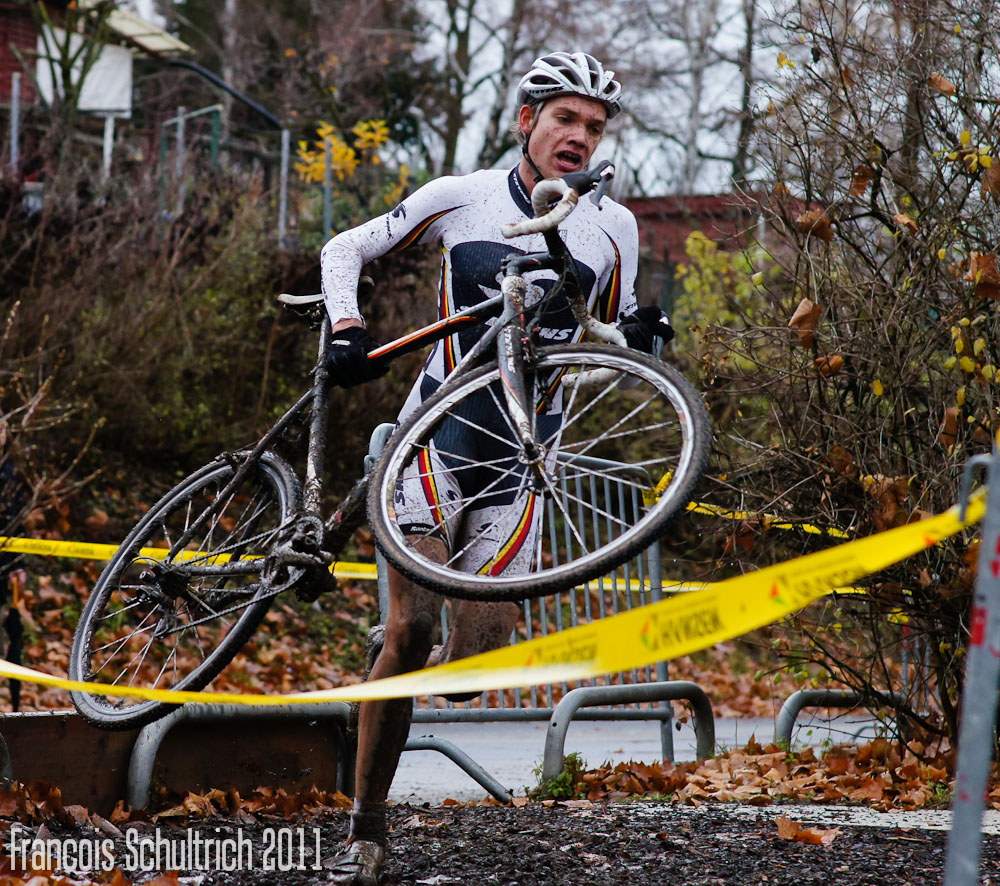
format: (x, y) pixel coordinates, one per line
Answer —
(194, 578)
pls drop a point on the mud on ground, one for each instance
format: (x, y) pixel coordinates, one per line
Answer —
(638, 844)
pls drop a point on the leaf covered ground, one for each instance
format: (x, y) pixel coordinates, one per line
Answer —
(648, 843)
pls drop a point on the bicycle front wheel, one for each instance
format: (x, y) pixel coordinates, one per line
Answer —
(167, 615)
(621, 442)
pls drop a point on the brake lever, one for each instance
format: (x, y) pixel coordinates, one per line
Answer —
(607, 173)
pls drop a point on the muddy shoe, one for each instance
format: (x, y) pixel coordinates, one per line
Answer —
(357, 864)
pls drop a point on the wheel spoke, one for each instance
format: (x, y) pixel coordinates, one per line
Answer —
(610, 432)
(161, 624)
(597, 443)
(569, 421)
(557, 501)
(461, 419)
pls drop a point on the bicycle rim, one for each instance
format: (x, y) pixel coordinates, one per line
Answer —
(166, 618)
(624, 459)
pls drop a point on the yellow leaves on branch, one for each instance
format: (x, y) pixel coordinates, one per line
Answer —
(804, 321)
(975, 158)
(312, 163)
(370, 135)
(814, 222)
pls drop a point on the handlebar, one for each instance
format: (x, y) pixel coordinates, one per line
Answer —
(568, 191)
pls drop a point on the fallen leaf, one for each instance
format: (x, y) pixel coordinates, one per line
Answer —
(829, 365)
(787, 829)
(818, 836)
(860, 179)
(905, 222)
(983, 273)
(990, 183)
(948, 432)
(942, 84)
(804, 321)
(816, 223)
(792, 830)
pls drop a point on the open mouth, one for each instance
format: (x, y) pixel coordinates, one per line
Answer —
(569, 159)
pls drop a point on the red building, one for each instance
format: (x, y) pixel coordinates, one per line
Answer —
(19, 35)
(18, 30)
(665, 223)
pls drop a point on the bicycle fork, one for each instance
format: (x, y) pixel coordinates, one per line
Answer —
(511, 346)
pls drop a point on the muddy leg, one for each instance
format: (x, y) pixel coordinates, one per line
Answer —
(476, 627)
(383, 726)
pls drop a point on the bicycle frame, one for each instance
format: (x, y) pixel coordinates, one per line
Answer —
(314, 543)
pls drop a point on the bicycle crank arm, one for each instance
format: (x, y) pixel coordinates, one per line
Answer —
(341, 525)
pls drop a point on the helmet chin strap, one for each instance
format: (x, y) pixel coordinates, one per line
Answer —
(531, 163)
(527, 139)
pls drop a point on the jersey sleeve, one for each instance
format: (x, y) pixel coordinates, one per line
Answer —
(415, 220)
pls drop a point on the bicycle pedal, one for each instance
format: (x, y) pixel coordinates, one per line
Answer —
(315, 582)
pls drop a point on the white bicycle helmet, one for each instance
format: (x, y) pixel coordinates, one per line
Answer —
(564, 73)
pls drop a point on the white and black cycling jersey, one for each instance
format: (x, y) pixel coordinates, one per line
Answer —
(492, 509)
(464, 215)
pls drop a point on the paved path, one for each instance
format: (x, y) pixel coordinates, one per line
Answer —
(511, 751)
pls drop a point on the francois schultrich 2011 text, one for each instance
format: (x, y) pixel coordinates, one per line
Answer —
(274, 849)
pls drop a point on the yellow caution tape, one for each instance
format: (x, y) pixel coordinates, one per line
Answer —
(769, 521)
(77, 550)
(366, 571)
(642, 636)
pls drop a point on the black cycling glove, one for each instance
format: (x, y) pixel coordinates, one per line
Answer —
(347, 362)
(642, 328)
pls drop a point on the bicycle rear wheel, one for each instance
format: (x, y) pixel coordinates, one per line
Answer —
(170, 616)
(624, 439)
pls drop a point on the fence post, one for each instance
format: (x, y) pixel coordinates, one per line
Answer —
(109, 141)
(979, 694)
(15, 121)
(181, 112)
(213, 149)
(283, 189)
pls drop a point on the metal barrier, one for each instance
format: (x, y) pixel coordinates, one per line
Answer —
(335, 714)
(829, 698)
(639, 694)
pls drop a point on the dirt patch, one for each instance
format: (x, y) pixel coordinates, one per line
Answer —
(639, 843)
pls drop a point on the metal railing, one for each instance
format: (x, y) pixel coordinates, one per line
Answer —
(611, 696)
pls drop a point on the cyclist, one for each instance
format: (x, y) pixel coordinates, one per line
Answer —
(564, 103)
